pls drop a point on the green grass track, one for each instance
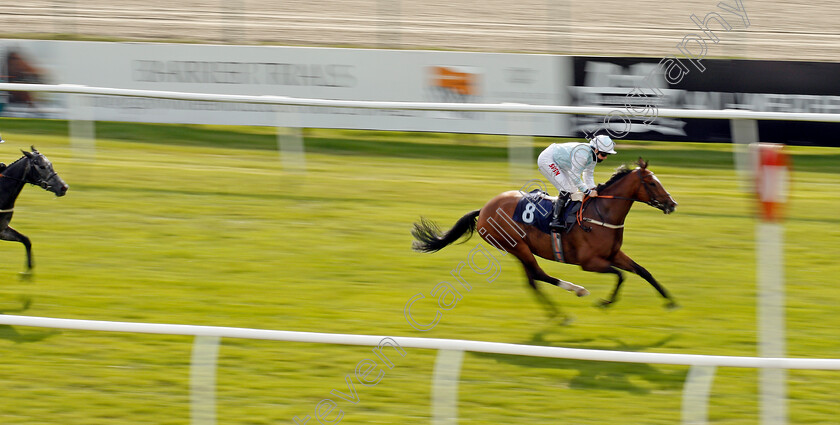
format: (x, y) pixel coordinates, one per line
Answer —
(202, 225)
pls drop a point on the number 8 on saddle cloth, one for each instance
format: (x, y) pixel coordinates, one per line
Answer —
(535, 209)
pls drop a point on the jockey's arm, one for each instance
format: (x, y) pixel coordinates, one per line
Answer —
(581, 167)
(589, 176)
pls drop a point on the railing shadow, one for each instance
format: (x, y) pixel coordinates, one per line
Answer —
(636, 378)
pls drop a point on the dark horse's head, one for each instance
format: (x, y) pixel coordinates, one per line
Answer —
(40, 172)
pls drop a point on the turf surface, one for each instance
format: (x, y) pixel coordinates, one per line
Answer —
(202, 225)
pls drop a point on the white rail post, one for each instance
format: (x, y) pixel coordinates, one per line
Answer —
(445, 387)
(744, 133)
(695, 401)
(81, 125)
(290, 139)
(771, 321)
(521, 163)
(203, 380)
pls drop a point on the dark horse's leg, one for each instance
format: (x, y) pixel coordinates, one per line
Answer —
(624, 262)
(9, 234)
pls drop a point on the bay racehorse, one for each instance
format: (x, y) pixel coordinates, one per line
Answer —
(593, 243)
(33, 168)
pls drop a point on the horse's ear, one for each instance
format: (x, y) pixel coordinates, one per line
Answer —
(33, 149)
(642, 163)
(26, 154)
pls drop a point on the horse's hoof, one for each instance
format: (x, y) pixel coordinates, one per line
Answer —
(26, 302)
(602, 303)
(27, 275)
(582, 292)
(672, 305)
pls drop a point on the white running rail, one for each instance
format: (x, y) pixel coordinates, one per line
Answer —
(427, 106)
(427, 343)
(444, 383)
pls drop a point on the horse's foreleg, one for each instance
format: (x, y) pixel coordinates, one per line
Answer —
(614, 295)
(9, 234)
(600, 265)
(624, 262)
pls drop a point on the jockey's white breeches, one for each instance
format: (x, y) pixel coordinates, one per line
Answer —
(560, 178)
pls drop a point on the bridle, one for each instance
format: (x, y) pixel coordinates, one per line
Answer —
(654, 202)
(42, 181)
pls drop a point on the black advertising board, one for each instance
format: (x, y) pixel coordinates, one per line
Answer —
(766, 86)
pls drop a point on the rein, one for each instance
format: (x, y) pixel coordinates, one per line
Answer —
(42, 182)
(28, 164)
(580, 218)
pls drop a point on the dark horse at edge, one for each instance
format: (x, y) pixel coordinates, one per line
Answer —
(594, 243)
(33, 168)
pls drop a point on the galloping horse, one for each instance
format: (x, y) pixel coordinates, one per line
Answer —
(33, 168)
(594, 243)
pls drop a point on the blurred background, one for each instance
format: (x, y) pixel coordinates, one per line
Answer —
(298, 217)
(790, 31)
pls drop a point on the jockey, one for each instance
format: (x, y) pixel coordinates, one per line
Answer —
(570, 167)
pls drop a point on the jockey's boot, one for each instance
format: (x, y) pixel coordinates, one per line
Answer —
(557, 223)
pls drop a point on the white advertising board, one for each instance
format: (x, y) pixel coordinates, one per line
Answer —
(326, 73)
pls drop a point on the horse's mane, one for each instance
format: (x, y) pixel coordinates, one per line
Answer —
(620, 172)
(16, 161)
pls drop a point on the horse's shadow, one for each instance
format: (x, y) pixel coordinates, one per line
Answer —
(12, 334)
(9, 332)
(636, 378)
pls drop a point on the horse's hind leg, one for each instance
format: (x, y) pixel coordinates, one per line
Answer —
(534, 271)
(569, 286)
(529, 263)
(624, 262)
(9, 234)
(552, 309)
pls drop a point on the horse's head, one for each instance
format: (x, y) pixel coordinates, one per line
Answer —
(40, 172)
(651, 191)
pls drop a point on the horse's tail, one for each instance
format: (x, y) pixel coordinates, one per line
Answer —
(428, 236)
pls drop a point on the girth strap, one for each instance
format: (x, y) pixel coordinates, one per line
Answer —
(601, 223)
